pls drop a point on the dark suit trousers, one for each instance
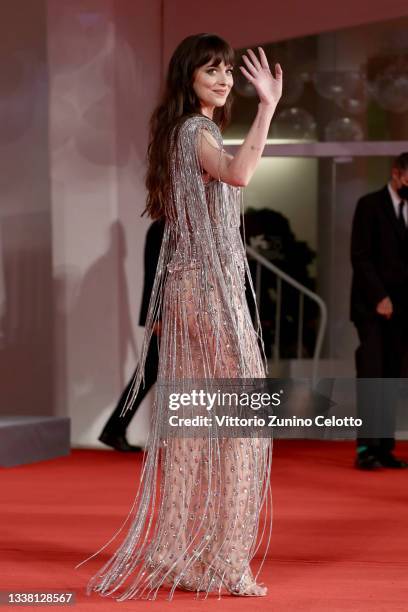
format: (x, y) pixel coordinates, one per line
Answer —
(380, 360)
(117, 425)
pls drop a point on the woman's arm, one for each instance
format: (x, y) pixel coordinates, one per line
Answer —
(238, 170)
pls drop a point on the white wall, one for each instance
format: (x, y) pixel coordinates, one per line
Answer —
(104, 60)
(288, 185)
(103, 67)
(258, 22)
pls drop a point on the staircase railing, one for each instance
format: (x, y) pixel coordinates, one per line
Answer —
(304, 291)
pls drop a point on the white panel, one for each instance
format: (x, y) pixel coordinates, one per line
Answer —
(103, 66)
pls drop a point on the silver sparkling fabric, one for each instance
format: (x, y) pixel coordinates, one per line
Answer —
(203, 504)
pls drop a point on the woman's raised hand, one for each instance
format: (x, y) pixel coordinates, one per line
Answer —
(268, 87)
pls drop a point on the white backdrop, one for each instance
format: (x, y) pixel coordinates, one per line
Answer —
(105, 59)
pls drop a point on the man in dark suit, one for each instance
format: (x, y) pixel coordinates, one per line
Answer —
(114, 432)
(379, 310)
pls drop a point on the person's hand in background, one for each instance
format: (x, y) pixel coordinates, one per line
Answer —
(384, 308)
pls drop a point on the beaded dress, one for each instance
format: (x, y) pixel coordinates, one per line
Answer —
(196, 522)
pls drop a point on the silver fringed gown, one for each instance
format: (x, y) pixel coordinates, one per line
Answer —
(203, 505)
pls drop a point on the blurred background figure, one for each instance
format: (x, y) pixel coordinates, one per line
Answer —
(379, 307)
(114, 432)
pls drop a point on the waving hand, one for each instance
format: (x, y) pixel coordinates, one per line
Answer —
(257, 71)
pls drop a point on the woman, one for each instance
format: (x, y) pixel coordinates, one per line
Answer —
(212, 489)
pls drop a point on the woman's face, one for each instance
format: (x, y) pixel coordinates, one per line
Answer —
(212, 84)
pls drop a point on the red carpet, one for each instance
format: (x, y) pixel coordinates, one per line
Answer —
(340, 536)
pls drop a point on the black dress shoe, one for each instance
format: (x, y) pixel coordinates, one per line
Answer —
(119, 442)
(367, 462)
(388, 460)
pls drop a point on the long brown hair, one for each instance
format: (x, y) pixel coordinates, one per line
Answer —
(179, 100)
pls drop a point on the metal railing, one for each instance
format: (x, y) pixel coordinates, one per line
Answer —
(304, 291)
